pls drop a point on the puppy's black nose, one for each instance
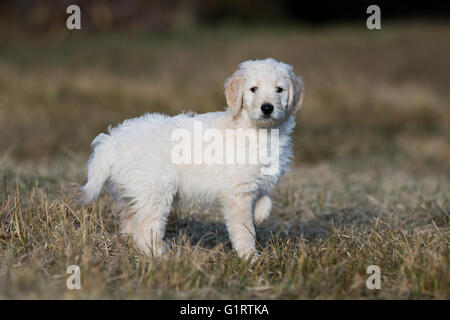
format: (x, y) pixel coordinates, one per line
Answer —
(267, 108)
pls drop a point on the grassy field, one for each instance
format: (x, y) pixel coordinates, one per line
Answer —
(370, 184)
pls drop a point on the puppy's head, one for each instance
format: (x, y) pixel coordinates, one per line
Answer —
(266, 91)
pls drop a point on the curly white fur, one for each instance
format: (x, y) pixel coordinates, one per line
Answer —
(135, 159)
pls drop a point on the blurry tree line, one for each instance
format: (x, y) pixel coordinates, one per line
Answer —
(48, 16)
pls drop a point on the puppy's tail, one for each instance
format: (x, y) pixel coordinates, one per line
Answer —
(99, 168)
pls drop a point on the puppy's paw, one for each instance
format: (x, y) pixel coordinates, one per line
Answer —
(253, 259)
(263, 206)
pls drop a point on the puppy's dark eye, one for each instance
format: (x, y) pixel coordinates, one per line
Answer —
(279, 89)
(253, 89)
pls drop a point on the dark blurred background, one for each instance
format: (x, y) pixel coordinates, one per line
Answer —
(48, 16)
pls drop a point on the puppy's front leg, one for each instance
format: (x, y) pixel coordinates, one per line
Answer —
(263, 206)
(239, 220)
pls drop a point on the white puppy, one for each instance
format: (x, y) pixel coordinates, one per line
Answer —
(136, 158)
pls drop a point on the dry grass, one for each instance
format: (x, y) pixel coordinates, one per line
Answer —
(371, 183)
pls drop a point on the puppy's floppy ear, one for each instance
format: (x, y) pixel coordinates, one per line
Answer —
(296, 91)
(234, 93)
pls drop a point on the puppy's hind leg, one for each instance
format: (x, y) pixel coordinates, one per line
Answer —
(148, 224)
(126, 218)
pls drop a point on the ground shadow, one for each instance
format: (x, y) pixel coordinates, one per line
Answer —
(207, 232)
